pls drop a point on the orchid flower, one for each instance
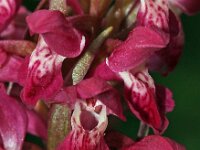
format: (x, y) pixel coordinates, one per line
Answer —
(142, 96)
(17, 28)
(41, 76)
(8, 9)
(93, 100)
(55, 61)
(43, 68)
(16, 120)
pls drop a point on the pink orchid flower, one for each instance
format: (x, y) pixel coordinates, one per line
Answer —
(16, 121)
(41, 74)
(150, 35)
(93, 100)
(8, 9)
(17, 28)
(89, 121)
(142, 96)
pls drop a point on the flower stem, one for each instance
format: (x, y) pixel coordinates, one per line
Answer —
(59, 125)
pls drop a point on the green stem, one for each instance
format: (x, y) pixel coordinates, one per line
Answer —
(59, 125)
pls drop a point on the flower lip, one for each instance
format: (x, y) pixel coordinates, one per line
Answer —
(86, 117)
(88, 120)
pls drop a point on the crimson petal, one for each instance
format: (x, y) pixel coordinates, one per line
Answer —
(13, 122)
(141, 43)
(36, 125)
(8, 10)
(9, 66)
(141, 99)
(91, 87)
(42, 76)
(53, 25)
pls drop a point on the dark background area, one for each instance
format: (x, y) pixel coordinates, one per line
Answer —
(184, 124)
(185, 83)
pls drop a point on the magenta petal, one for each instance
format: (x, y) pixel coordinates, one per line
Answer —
(91, 87)
(165, 100)
(113, 104)
(18, 27)
(154, 142)
(13, 122)
(8, 9)
(141, 99)
(9, 66)
(36, 125)
(188, 6)
(104, 72)
(166, 59)
(67, 95)
(44, 78)
(141, 43)
(53, 25)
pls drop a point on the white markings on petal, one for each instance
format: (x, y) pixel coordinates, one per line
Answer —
(82, 44)
(155, 12)
(44, 58)
(136, 82)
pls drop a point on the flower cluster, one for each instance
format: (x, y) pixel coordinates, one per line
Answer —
(90, 59)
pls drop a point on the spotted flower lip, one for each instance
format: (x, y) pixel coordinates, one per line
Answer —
(89, 121)
(41, 74)
(53, 25)
(8, 11)
(148, 102)
(93, 88)
(150, 35)
(140, 93)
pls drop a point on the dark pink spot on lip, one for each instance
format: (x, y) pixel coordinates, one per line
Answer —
(88, 121)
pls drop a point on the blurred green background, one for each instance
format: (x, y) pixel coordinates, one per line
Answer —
(184, 124)
(185, 83)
